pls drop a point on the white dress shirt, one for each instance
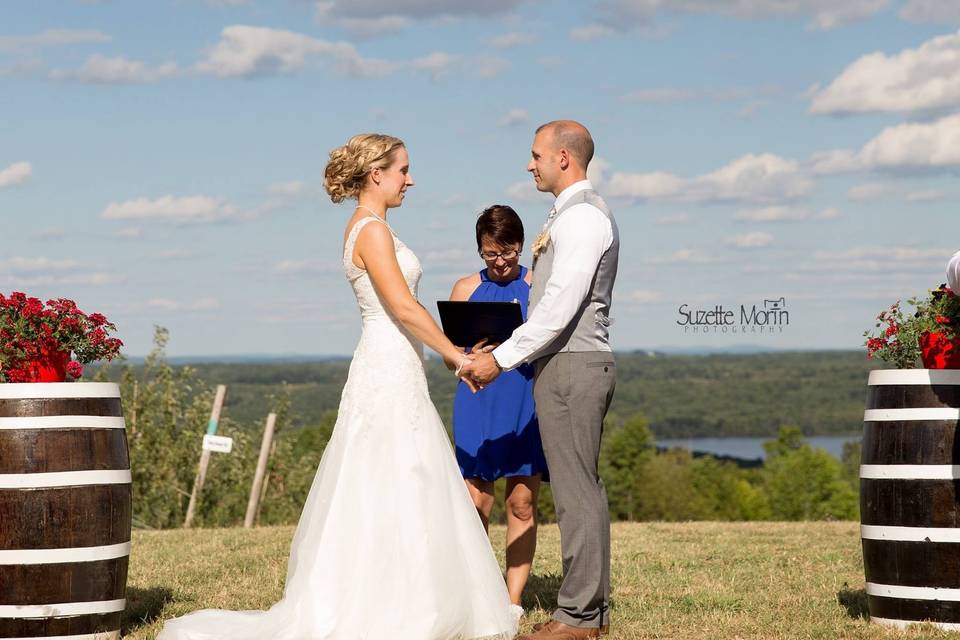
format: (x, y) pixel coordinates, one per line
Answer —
(953, 273)
(580, 236)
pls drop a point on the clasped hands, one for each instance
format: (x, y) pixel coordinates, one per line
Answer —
(478, 367)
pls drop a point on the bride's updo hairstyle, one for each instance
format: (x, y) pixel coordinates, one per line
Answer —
(349, 165)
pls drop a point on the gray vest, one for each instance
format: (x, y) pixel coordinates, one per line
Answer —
(590, 328)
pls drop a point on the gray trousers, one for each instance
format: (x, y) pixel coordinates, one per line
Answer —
(573, 391)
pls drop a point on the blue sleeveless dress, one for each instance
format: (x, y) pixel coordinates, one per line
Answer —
(495, 430)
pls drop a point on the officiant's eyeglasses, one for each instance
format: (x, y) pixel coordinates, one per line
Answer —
(491, 256)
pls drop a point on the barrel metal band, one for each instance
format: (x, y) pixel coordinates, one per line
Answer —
(913, 593)
(895, 377)
(903, 624)
(60, 610)
(909, 534)
(59, 390)
(906, 415)
(63, 422)
(102, 635)
(908, 471)
(59, 556)
(63, 479)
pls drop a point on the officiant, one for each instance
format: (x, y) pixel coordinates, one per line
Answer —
(495, 430)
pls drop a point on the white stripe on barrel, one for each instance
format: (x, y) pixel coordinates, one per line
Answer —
(907, 471)
(102, 635)
(903, 624)
(896, 377)
(63, 422)
(913, 593)
(63, 479)
(909, 534)
(57, 556)
(62, 609)
(59, 390)
(908, 415)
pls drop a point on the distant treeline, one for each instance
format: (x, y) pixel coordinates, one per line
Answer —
(821, 393)
(167, 408)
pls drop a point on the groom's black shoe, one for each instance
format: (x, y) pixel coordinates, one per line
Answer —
(555, 630)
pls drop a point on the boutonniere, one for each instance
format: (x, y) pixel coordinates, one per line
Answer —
(540, 244)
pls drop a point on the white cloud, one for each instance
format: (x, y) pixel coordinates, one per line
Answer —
(511, 40)
(622, 15)
(245, 52)
(901, 149)
(590, 32)
(526, 191)
(416, 8)
(683, 256)
(168, 305)
(17, 173)
(187, 209)
(645, 296)
(365, 27)
(930, 195)
(514, 118)
(922, 79)
(673, 218)
(751, 178)
(130, 233)
(50, 38)
(99, 69)
(644, 186)
(754, 240)
(869, 191)
(785, 214)
(291, 188)
(664, 95)
(37, 264)
(489, 66)
(947, 11)
(437, 65)
(921, 145)
(307, 266)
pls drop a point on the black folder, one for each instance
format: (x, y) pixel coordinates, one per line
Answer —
(467, 323)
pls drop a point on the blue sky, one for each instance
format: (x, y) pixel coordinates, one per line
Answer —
(161, 162)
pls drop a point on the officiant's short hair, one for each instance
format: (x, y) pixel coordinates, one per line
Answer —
(501, 224)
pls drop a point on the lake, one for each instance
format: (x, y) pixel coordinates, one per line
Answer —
(752, 448)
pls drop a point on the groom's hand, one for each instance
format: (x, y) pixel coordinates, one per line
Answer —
(484, 368)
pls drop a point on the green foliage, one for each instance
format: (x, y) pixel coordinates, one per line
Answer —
(167, 409)
(805, 483)
(681, 396)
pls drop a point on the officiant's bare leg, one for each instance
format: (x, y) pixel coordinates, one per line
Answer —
(521, 532)
(482, 494)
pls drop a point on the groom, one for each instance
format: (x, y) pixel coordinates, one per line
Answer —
(566, 339)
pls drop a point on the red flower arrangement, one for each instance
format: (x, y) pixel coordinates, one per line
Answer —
(931, 335)
(36, 340)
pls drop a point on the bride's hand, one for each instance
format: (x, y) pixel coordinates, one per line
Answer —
(451, 360)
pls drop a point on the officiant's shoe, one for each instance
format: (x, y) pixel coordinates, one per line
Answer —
(556, 630)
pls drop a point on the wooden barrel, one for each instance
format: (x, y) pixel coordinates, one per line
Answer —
(64, 511)
(909, 509)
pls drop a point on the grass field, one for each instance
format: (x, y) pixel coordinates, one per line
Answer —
(717, 581)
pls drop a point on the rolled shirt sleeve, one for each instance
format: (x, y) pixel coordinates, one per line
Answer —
(953, 273)
(580, 236)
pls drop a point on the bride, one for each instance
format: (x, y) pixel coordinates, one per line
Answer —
(389, 544)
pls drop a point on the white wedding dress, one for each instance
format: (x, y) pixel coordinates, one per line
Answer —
(389, 544)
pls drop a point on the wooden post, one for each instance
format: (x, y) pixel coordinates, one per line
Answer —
(205, 456)
(254, 502)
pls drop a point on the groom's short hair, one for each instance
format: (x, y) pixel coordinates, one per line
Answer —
(572, 136)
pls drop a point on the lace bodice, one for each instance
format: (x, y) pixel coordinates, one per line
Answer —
(380, 328)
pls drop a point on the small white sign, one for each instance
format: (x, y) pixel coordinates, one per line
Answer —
(220, 444)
